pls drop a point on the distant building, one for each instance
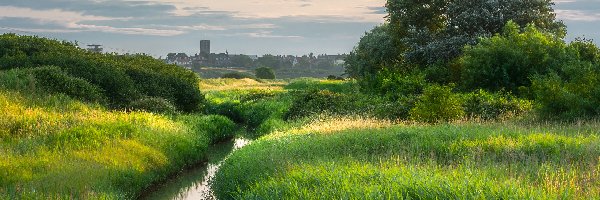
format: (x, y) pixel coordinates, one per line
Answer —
(220, 60)
(205, 47)
(180, 59)
(95, 48)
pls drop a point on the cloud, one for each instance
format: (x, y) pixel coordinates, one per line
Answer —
(73, 22)
(355, 10)
(577, 15)
(53, 15)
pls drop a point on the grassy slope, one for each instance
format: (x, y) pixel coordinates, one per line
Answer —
(55, 147)
(352, 158)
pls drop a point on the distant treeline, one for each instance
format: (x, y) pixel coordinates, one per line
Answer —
(118, 81)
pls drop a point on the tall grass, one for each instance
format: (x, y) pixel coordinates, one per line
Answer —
(52, 146)
(383, 161)
(222, 84)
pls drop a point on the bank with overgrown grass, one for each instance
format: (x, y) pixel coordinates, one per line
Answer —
(366, 159)
(82, 125)
(56, 147)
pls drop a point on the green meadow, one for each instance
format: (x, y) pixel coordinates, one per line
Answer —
(339, 156)
(436, 104)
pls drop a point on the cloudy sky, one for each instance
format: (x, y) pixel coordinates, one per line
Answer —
(257, 27)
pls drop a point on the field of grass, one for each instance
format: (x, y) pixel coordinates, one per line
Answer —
(53, 147)
(366, 159)
(321, 157)
(241, 84)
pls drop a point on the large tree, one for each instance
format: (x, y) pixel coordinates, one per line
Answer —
(432, 31)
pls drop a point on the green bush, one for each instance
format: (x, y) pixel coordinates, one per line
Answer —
(229, 109)
(484, 105)
(215, 127)
(265, 73)
(575, 95)
(154, 105)
(395, 85)
(218, 128)
(19, 80)
(54, 80)
(317, 102)
(508, 61)
(437, 104)
(122, 78)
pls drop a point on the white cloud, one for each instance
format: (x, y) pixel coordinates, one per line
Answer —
(577, 15)
(53, 15)
(74, 22)
(351, 10)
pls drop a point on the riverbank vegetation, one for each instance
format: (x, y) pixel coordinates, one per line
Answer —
(79, 125)
(447, 106)
(442, 104)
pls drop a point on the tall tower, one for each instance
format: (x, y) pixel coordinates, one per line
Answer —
(204, 47)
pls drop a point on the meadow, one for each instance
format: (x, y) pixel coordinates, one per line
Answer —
(79, 125)
(333, 156)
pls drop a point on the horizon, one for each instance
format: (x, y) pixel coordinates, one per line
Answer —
(276, 27)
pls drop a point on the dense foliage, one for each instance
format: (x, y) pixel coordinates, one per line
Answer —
(264, 73)
(236, 75)
(508, 61)
(118, 79)
(487, 47)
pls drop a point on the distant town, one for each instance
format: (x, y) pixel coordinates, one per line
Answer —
(285, 65)
(206, 58)
(214, 65)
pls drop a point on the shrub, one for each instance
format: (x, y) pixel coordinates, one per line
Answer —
(236, 75)
(154, 105)
(508, 61)
(122, 78)
(575, 95)
(54, 80)
(215, 127)
(319, 101)
(437, 104)
(394, 85)
(485, 105)
(218, 128)
(265, 73)
(229, 109)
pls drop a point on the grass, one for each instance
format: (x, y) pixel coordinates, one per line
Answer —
(319, 84)
(53, 147)
(384, 161)
(240, 84)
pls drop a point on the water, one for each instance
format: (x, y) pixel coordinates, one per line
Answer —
(195, 183)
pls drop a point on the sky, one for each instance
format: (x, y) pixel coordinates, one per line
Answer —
(252, 27)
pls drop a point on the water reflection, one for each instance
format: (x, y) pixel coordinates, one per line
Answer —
(195, 183)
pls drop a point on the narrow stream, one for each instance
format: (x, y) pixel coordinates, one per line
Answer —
(195, 183)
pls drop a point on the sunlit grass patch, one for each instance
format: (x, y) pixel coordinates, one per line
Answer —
(240, 84)
(326, 125)
(388, 180)
(55, 147)
(460, 161)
